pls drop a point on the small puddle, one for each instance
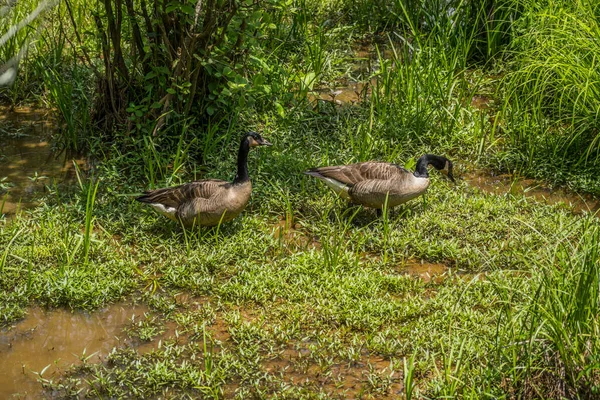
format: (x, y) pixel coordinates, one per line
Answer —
(287, 232)
(358, 84)
(57, 338)
(27, 160)
(425, 271)
(352, 93)
(509, 184)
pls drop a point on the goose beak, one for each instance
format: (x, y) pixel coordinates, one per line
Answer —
(265, 142)
(448, 173)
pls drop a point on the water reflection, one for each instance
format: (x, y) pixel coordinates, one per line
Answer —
(28, 161)
(57, 339)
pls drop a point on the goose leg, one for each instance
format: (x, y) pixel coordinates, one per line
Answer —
(379, 212)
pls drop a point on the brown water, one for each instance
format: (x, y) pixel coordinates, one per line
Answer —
(57, 339)
(509, 184)
(425, 271)
(27, 160)
(349, 93)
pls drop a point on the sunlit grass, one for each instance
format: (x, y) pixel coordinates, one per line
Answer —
(335, 292)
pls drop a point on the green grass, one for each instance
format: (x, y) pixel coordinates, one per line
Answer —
(329, 303)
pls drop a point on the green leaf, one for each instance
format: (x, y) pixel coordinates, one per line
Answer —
(280, 109)
(236, 86)
(172, 6)
(410, 164)
(187, 9)
(309, 80)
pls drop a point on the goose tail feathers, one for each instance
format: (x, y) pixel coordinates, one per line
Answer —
(313, 172)
(145, 198)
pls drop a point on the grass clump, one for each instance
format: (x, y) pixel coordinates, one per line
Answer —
(553, 334)
(551, 91)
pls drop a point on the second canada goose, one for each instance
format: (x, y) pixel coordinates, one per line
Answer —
(371, 183)
(210, 201)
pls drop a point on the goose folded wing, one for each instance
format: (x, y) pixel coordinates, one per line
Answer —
(175, 196)
(355, 173)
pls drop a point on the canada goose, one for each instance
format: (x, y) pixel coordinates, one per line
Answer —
(370, 183)
(210, 201)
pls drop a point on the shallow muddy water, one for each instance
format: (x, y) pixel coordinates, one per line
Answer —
(290, 234)
(358, 83)
(348, 94)
(28, 163)
(425, 271)
(58, 339)
(509, 184)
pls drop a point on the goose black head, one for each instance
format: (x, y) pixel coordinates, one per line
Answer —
(440, 163)
(254, 139)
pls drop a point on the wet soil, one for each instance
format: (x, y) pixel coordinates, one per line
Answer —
(289, 234)
(52, 341)
(481, 102)
(510, 184)
(28, 161)
(359, 83)
(368, 376)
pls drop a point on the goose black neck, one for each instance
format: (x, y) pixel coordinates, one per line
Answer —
(242, 162)
(422, 163)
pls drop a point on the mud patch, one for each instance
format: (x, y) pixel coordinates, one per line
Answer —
(368, 376)
(481, 102)
(289, 234)
(509, 184)
(55, 340)
(28, 162)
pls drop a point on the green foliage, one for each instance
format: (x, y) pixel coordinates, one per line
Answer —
(552, 87)
(554, 333)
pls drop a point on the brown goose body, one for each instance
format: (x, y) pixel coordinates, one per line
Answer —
(372, 183)
(207, 202)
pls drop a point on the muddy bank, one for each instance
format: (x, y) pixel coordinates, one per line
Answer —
(348, 93)
(367, 376)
